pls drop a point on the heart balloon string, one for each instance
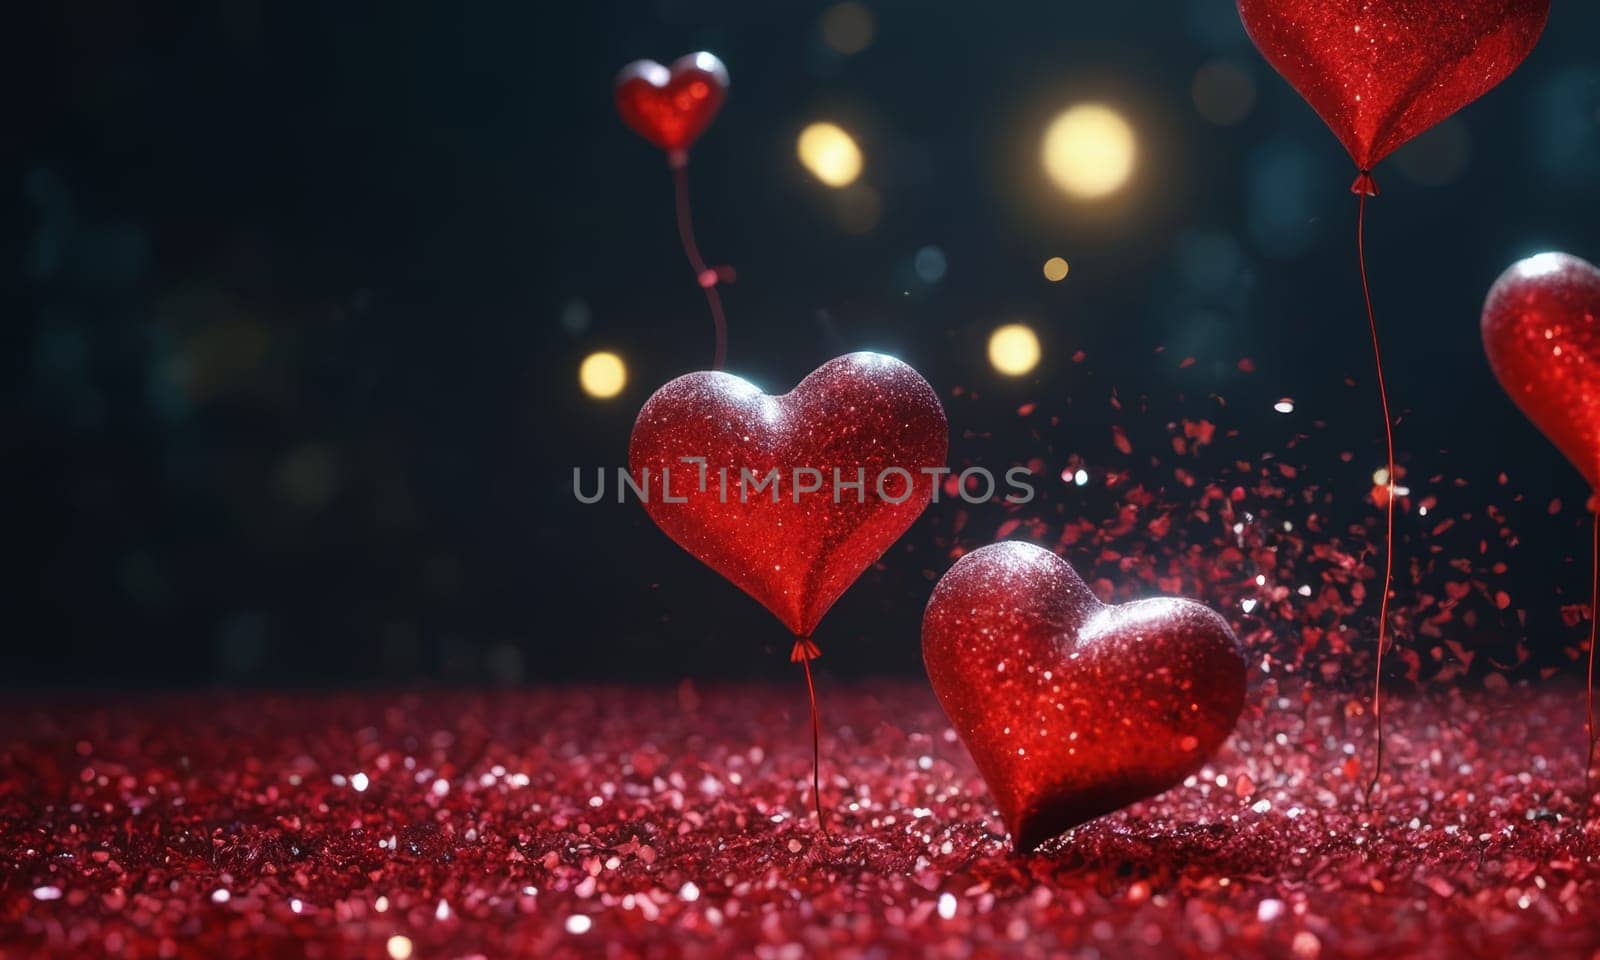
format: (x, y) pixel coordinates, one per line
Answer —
(803, 653)
(707, 277)
(671, 108)
(1380, 72)
(1363, 188)
(1589, 685)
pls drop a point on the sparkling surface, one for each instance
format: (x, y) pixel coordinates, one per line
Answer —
(1072, 708)
(671, 107)
(862, 418)
(1541, 329)
(1379, 72)
(659, 821)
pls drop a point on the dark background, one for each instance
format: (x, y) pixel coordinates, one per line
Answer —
(291, 390)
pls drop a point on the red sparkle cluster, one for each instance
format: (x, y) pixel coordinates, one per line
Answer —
(658, 822)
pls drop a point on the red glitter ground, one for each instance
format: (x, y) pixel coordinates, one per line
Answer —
(658, 822)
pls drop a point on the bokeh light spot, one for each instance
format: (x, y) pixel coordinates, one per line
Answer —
(1014, 349)
(930, 264)
(1088, 151)
(1224, 92)
(830, 154)
(1055, 269)
(602, 374)
(847, 28)
(576, 317)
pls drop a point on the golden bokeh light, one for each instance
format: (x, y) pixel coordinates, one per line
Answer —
(847, 28)
(1014, 349)
(1055, 269)
(830, 154)
(602, 375)
(1089, 151)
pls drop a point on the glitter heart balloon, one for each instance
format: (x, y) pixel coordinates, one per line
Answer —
(798, 543)
(1071, 708)
(1379, 72)
(671, 107)
(1541, 329)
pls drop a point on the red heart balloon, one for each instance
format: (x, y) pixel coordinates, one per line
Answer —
(671, 108)
(1071, 708)
(1379, 72)
(1541, 329)
(863, 416)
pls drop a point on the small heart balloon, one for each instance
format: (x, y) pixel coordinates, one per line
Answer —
(671, 108)
(1070, 708)
(791, 497)
(1541, 329)
(1379, 72)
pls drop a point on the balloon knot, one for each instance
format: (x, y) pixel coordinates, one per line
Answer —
(677, 159)
(711, 276)
(1364, 186)
(803, 650)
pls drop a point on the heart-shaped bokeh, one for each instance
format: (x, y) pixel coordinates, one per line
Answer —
(671, 107)
(1379, 72)
(1071, 708)
(1541, 329)
(861, 417)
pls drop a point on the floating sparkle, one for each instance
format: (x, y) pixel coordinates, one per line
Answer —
(1380, 478)
(399, 947)
(1285, 405)
(1055, 269)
